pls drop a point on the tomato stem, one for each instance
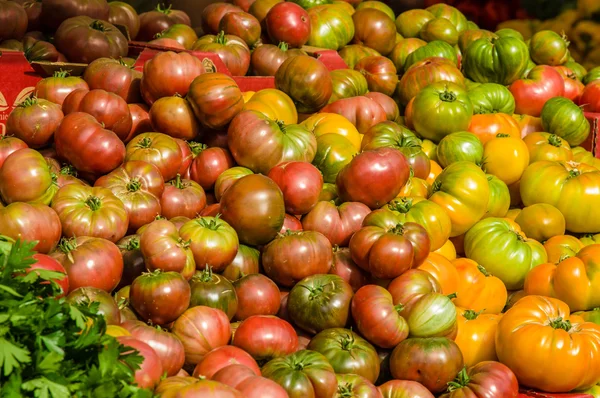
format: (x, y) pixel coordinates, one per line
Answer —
(68, 170)
(145, 142)
(211, 223)
(196, 147)
(283, 46)
(345, 391)
(165, 11)
(205, 276)
(471, 315)
(132, 244)
(452, 296)
(29, 101)
(462, 380)
(398, 229)
(98, 25)
(61, 73)
(448, 96)
(482, 269)
(221, 39)
(437, 185)
(177, 183)
(93, 202)
(554, 140)
(134, 185)
(401, 206)
(560, 323)
(399, 308)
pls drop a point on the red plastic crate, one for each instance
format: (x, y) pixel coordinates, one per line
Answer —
(17, 82)
(524, 393)
(592, 143)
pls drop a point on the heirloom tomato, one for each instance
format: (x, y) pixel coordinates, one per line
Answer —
(506, 157)
(319, 302)
(227, 178)
(432, 362)
(149, 371)
(34, 121)
(470, 35)
(492, 98)
(361, 111)
(479, 58)
(561, 247)
(423, 73)
(393, 135)
(87, 145)
(347, 83)
(373, 177)
(163, 248)
(433, 315)
(511, 256)
(439, 29)
(463, 191)
(549, 48)
(377, 318)
(554, 344)
(274, 104)
(90, 262)
(436, 48)
(43, 261)
(256, 295)
(115, 77)
(181, 33)
(87, 211)
(404, 388)
(306, 80)
(215, 99)
(31, 222)
(443, 271)
(293, 256)
(207, 164)
(8, 145)
(353, 53)
(330, 27)
(213, 242)
(541, 221)
(356, 386)
(590, 97)
(159, 19)
(337, 223)
(303, 374)
(454, 15)
(332, 123)
(182, 198)
(58, 86)
(476, 336)
(388, 252)
(374, 29)
(488, 126)
(121, 13)
(402, 49)
(212, 15)
(260, 143)
(169, 73)
(531, 93)
(232, 50)
(222, 357)
(174, 116)
(288, 22)
(409, 23)
(264, 197)
(26, 176)
(572, 280)
(546, 146)
(562, 117)
(83, 39)
(485, 379)
(347, 352)
(158, 149)
(266, 337)
(555, 183)
(434, 105)
(85, 296)
(213, 290)
(460, 146)
(300, 183)
(478, 290)
(267, 58)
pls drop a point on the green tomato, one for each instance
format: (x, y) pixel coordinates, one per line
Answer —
(460, 146)
(499, 202)
(501, 60)
(436, 48)
(330, 27)
(492, 98)
(503, 251)
(563, 117)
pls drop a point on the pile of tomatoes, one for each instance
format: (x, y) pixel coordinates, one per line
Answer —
(424, 223)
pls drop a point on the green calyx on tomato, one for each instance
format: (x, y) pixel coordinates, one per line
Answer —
(145, 142)
(93, 202)
(212, 223)
(221, 39)
(560, 323)
(401, 206)
(554, 140)
(196, 147)
(482, 269)
(205, 276)
(68, 170)
(132, 244)
(30, 101)
(134, 185)
(98, 25)
(177, 183)
(471, 315)
(462, 380)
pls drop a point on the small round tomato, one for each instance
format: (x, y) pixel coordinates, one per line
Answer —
(506, 157)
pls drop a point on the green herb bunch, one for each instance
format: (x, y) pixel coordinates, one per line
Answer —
(51, 348)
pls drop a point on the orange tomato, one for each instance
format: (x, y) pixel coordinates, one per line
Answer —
(506, 157)
(447, 250)
(408, 114)
(117, 331)
(528, 124)
(562, 246)
(430, 149)
(541, 221)
(538, 341)
(443, 271)
(434, 171)
(477, 289)
(476, 336)
(326, 123)
(575, 280)
(275, 104)
(546, 146)
(582, 155)
(487, 126)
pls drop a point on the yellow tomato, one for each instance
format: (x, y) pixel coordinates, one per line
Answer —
(117, 331)
(476, 336)
(447, 250)
(443, 271)
(513, 213)
(506, 157)
(325, 123)
(415, 187)
(247, 95)
(275, 104)
(430, 149)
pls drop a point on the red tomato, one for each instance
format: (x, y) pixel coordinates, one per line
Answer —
(337, 223)
(9, 145)
(159, 149)
(150, 371)
(590, 98)
(266, 337)
(208, 164)
(31, 222)
(48, 263)
(93, 262)
(222, 357)
(34, 121)
(182, 198)
(167, 346)
(344, 267)
(542, 83)
(174, 116)
(159, 296)
(257, 295)
(288, 22)
(300, 183)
